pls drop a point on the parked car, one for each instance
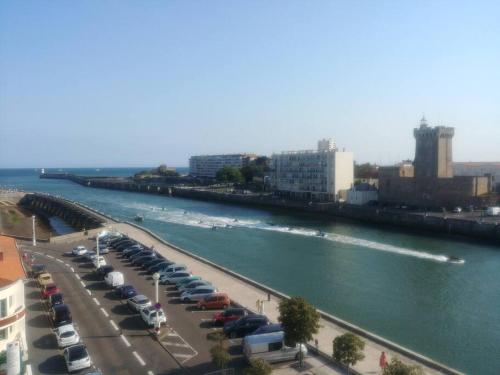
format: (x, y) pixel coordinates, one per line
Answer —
(104, 270)
(139, 261)
(129, 253)
(138, 302)
(198, 293)
(159, 267)
(103, 249)
(152, 262)
(49, 289)
(114, 279)
(229, 315)
(61, 315)
(270, 328)
(89, 254)
(66, 335)
(77, 358)
(98, 262)
(121, 245)
(56, 299)
(143, 253)
(193, 284)
(174, 277)
(45, 279)
(37, 270)
(150, 314)
(79, 250)
(244, 326)
(126, 291)
(187, 280)
(173, 268)
(271, 348)
(457, 210)
(215, 301)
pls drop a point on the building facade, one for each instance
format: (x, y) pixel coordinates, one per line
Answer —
(207, 166)
(362, 194)
(318, 175)
(12, 305)
(480, 169)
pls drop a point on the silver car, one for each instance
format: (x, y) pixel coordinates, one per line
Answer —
(77, 357)
(66, 335)
(198, 293)
(138, 302)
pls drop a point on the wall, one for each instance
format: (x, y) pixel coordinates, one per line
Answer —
(14, 322)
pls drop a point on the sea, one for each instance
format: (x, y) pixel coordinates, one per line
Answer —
(396, 284)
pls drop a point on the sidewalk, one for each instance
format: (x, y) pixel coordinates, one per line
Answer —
(248, 295)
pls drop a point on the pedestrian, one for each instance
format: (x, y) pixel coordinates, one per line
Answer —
(382, 361)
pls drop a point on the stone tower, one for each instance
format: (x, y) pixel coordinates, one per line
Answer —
(433, 153)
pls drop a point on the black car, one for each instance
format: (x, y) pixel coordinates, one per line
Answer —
(130, 254)
(118, 242)
(126, 291)
(141, 260)
(61, 315)
(270, 328)
(152, 262)
(56, 299)
(104, 270)
(125, 244)
(160, 266)
(37, 270)
(245, 325)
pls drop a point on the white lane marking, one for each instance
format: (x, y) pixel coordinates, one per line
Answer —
(66, 264)
(50, 256)
(114, 325)
(206, 320)
(89, 292)
(150, 372)
(72, 269)
(59, 260)
(139, 359)
(104, 312)
(170, 343)
(182, 355)
(125, 340)
(83, 284)
(77, 276)
(96, 301)
(172, 334)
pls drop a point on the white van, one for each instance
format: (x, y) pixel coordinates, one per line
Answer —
(114, 279)
(271, 348)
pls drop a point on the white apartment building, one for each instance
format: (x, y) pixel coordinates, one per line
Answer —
(208, 165)
(12, 306)
(479, 169)
(319, 175)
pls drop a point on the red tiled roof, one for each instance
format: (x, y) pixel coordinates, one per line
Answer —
(11, 268)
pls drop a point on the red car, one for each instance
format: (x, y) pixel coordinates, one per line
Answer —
(229, 315)
(50, 289)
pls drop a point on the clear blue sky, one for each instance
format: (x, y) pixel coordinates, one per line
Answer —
(134, 83)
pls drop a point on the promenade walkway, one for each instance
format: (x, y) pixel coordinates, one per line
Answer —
(248, 295)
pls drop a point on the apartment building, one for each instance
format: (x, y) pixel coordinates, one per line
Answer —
(207, 166)
(318, 175)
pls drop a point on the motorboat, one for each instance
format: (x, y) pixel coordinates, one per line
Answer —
(456, 260)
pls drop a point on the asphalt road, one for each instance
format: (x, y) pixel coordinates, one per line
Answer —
(118, 340)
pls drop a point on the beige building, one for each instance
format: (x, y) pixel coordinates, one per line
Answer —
(479, 169)
(319, 175)
(207, 166)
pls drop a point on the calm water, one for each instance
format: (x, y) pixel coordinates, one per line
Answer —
(394, 284)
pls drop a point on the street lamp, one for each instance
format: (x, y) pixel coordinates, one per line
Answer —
(97, 249)
(34, 232)
(156, 278)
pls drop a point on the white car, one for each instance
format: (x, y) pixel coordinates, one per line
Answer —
(66, 335)
(198, 293)
(149, 316)
(138, 302)
(99, 263)
(77, 357)
(79, 250)
(102, 249)
(174, 277)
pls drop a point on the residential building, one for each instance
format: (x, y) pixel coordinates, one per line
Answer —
(317, 175)
(361, 194)
(480, 169)
(12, 306)
(207, 166)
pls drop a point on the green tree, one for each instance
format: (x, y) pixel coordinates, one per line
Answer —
(300, 321)
(229, 174)
(220, 355)
(259, 367)
(396, 367)
(348, 349)
(365, 170)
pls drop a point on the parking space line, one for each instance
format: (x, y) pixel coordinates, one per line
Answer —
(89, 292)
(125, 340)
(96, 301)
(72, 269)
(50, 256)
(59, 260)
(170, 343)
(66, 264)
(139, 359)
(77, 276)
(114, 325)
(83, 284)
(150, 372)
(104, 312)
(180, 355)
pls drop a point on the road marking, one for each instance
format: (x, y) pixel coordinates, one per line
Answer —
(104, 312)
(96, 301)
(114, 325)
(28, 370)
(182, 355)
(139, 359)
(150, 372)
(170, 343)
(83, 284)
(72, 269)
(66, 264)
(37, 252)
(50, 256)
(206, 320)
(125, 340)
(89, 292)
(77, 276)
(59, 260)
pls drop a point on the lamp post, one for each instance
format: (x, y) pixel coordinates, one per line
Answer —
(34, 231)
(156, 278)
(97, 250)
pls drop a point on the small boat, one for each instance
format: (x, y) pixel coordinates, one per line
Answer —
(214, 227)
(139, 218)
(456, 260)
(320, 233)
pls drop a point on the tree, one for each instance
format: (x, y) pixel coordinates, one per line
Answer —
(365, 170)
(229, 174)
(396, 367)
(348, 349)
(220, 355)
(259, 367)
(300, 321)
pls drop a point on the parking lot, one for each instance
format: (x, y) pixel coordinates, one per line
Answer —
(118, 340)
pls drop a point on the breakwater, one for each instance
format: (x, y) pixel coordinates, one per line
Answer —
(469, 225)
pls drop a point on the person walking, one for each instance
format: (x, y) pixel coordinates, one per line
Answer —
(382, 361)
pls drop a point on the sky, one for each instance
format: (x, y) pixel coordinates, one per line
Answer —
(139, 83)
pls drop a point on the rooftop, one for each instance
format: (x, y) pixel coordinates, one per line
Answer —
(11, 268)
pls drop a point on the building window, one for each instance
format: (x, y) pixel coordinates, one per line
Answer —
(3, 334)
(3, 308)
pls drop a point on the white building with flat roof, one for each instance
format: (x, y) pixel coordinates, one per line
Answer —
(207, 166)
(319, 175)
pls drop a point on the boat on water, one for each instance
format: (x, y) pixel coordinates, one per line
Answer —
(456, 260)
(320, 233)
(139, 218)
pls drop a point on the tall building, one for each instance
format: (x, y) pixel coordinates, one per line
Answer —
(207, 166)
(313, 174)
(12, 306)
